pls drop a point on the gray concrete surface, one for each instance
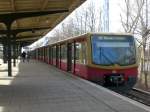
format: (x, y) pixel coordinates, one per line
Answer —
(38, 87)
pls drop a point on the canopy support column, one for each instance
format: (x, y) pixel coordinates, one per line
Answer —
(14, 51)
(8, 25)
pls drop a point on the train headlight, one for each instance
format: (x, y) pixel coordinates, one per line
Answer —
(114, 71)
(111, 79)
(122, 78)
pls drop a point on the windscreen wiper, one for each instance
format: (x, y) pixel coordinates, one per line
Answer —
(112, 63)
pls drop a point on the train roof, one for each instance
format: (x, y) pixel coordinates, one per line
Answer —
(88, 34)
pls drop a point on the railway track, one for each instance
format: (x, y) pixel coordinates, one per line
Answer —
(135, 94)
(138, 95)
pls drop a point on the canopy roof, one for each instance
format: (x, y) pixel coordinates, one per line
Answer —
(33, 28)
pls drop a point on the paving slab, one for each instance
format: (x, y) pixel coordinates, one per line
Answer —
(39, 87)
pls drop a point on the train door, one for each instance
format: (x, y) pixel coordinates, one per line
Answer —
(38, 54)
(50, 55)
(54, 55)
(46, 58)
(47, 50)
(58, 55)
(44, 49)
(69, 57)
(73, 57)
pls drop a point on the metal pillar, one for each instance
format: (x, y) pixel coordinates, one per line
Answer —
(14, 52)
(9, 18)
(9, 49)
(4, 51)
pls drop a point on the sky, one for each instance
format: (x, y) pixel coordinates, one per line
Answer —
(114, 13)
(114, 16)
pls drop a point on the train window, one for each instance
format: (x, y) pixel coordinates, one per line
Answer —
(50, 53)
(81, 56)
(54, 52)
(78, 52)
(58, 51)
(45, 52)
(111, 50)
(64, 53)
(84, 56)
(72, 49)
(57, 55)
(41, 52)
(38, 52)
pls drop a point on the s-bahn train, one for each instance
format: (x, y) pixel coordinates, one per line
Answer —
(106, 58)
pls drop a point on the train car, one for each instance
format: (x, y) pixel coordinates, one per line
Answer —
(106, 58)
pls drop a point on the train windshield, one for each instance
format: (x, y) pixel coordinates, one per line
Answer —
(111, 50)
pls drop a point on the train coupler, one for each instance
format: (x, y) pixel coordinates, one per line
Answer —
(114, 79)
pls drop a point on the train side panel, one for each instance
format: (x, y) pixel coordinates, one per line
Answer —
(75, 56)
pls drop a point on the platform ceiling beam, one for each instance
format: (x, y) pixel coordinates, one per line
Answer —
(10, 17)
(22, 11)
(16, 31)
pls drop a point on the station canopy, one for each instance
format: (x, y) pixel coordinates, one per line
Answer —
(33, 28)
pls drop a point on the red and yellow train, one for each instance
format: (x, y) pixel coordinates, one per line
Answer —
(106, 58)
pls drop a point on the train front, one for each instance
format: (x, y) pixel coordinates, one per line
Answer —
(113, 60)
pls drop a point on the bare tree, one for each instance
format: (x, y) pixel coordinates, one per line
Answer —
(89, 20)
(145, 31)
(57, 34)
(85, 20)
(131, 15)
(91, 17)
(136, 21)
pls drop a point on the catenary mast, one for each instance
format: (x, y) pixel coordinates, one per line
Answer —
(105, 16)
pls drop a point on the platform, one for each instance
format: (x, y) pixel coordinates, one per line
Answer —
(39, 87)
